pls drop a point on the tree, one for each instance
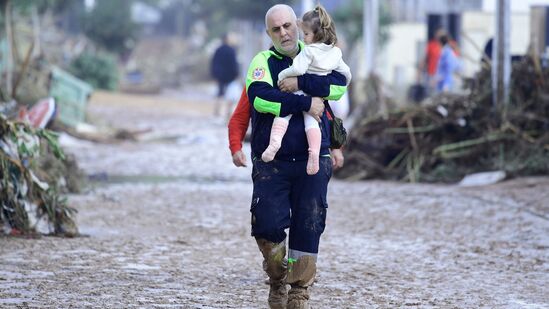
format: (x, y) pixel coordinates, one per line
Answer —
(99, 70)
(217, 14)
(348, 19)
(244, 9)
(109, 24)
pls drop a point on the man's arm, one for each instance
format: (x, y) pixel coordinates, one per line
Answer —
(238, 125)
(329, 87)
(266, 97)
(239, 122)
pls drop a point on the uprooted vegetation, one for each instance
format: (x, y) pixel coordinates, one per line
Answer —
(32, 166)
(453, 135)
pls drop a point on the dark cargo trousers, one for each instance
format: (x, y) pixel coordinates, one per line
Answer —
(284, 196)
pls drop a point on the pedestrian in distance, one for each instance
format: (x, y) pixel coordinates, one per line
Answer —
(284, 195)
(432, 55)
(319, 56)
(224, 69)
(448, 65)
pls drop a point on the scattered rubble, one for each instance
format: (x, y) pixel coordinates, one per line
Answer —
(450, 136)
(30, 188)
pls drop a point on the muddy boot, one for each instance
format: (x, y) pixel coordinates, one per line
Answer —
(274, 264)
(298, 298)
(278, 295)
(301, 275)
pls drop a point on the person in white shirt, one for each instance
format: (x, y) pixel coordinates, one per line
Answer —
(319, 56)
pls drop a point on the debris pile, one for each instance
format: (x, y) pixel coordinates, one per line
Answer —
(451, 136)
(30, 194)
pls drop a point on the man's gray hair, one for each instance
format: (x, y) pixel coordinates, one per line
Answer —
(277, 7)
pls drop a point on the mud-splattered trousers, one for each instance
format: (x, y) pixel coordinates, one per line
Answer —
(284, 197)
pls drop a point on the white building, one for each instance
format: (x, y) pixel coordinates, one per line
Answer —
(398, 61)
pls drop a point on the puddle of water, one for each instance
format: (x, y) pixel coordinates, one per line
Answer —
(104, 178)
(134, 266)
(97, 231)
(22, 296)
(14, 301)
(10, 275)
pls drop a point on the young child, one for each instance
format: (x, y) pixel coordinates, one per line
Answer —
(319, 56)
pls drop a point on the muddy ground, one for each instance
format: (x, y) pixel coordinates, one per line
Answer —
(167, 225)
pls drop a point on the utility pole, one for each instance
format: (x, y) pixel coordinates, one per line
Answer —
(501, 65)
(370, 29)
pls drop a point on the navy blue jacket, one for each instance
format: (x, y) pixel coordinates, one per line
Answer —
(224, 67)
(267, 101)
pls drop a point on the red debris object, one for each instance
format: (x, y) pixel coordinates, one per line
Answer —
(40, 114)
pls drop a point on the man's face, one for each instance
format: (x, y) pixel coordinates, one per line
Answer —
(282, 29)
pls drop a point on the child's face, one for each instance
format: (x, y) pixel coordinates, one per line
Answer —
(307, 34)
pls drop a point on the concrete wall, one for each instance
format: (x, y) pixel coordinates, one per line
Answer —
(397, 62)
(517, 6)
(399, 59)
(478, 28)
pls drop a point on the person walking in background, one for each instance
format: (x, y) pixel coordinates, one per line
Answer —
(224, 69)
(448, 65)
(487, 54)
(284, 195)
(432, 55)
(319, 56)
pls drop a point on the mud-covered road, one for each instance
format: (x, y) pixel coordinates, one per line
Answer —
(167, 225)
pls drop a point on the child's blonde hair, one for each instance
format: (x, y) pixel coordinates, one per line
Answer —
(320, 22)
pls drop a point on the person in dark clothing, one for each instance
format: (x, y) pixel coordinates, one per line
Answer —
(224, 69)
(488, 48)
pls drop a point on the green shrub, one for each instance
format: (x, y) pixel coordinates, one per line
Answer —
(100, 70)
(109, 24)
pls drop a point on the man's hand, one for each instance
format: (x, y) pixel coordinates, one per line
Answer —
(317, 108)
(337, 158)
(288, 84)
(239, 159)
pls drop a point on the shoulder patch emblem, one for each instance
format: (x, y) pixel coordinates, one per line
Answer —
(259, 73)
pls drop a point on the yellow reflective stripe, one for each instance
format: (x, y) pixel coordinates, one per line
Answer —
(265, 106)
(336, 92)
